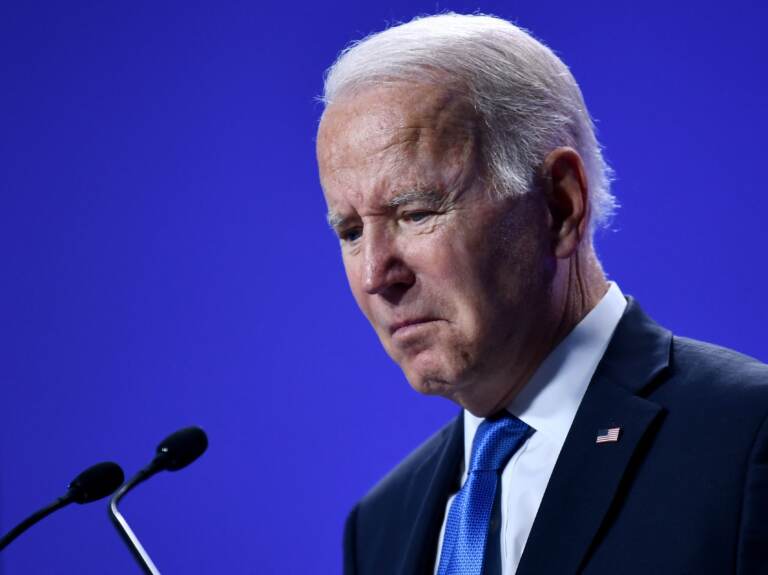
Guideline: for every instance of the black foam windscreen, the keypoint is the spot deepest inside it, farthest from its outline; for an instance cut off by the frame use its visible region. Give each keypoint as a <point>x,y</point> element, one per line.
<point>96,482</point>
<point>181,448</point>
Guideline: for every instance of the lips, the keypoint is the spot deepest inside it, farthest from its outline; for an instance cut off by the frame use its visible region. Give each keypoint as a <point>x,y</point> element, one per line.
<point>400,325</point>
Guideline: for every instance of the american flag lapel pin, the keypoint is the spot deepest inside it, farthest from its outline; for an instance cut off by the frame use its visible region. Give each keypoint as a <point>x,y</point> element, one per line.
<point>610,435</point>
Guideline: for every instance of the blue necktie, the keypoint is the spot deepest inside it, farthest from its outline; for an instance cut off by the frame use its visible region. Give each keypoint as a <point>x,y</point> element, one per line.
<point>466,530</point>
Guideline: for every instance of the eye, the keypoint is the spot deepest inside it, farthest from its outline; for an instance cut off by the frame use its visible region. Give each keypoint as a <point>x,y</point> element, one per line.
<point>349,235</point>
<point>417,216</point>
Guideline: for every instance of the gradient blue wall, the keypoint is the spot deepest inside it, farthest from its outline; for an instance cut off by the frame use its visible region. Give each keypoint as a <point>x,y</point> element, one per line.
<point>165,259</point>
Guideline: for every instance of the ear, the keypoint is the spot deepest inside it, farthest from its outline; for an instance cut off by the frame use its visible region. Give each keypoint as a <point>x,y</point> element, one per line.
<point>564,186</point>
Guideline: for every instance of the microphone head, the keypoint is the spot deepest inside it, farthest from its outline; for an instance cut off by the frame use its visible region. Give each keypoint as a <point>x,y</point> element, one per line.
<point>181,448</point>
<point>96,482</point>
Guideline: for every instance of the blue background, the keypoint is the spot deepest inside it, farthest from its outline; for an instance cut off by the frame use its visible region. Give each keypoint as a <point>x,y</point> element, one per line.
<point>165,257</point>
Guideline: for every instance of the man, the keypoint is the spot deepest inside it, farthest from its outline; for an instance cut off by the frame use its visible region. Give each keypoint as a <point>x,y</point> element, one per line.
<point>464,180</point>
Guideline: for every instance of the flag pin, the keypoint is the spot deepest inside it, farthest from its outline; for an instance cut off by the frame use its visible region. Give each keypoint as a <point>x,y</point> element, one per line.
<point>610,435</point>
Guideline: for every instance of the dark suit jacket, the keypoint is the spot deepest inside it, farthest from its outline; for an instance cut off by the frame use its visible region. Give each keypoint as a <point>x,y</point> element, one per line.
<point>684,490</point>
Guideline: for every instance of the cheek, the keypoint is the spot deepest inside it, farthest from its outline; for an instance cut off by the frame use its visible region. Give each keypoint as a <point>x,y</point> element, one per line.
<point>459,280</point>
<point>483,287</point>
<point>453,294</point>
<point>354,281</point>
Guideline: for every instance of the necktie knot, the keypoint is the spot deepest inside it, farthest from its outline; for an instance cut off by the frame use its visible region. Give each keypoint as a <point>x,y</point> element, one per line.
<point>496,441</point>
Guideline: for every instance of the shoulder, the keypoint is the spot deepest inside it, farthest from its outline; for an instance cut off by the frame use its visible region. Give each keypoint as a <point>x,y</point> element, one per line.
<point>421,461</point>
<point>711,366</point>
<point>404,508</point>
<point>652,361</point>
<point>712,392</point>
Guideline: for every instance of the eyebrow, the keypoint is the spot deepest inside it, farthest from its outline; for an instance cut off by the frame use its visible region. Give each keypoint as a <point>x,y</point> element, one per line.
<point>430,198</point>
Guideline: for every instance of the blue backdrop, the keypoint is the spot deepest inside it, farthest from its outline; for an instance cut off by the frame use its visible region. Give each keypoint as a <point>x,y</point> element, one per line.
<point>165,258</point>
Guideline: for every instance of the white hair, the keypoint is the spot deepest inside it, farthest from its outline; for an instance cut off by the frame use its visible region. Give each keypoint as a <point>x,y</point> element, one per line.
<point>525,97</point>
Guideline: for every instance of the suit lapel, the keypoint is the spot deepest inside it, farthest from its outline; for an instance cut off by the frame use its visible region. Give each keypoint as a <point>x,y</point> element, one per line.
<point>436,479</point>
<point>588,475</point>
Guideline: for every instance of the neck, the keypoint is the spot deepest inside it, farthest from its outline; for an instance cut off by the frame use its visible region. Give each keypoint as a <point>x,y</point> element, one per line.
<point>582,285</point>
<point>579,285</point>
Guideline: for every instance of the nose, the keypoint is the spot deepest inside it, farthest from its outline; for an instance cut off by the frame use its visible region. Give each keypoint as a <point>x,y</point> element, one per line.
<point>385,271</point>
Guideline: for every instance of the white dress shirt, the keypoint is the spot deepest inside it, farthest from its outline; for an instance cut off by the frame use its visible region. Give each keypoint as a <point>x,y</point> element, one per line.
<point>548,404</point>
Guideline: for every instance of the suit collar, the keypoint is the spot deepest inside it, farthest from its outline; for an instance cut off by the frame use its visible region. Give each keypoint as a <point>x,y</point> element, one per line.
<point>638,352</point>
<point>588,475</point>
<point>433,483</point>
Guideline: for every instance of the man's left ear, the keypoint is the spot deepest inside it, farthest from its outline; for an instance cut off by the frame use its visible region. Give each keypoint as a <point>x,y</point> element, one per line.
<point>564,186</point>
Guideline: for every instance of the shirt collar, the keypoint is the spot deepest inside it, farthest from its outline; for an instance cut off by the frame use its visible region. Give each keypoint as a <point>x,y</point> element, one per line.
<point>548,403</point>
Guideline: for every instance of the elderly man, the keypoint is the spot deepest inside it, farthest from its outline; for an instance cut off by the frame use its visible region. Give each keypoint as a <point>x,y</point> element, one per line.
<point>463,178</point>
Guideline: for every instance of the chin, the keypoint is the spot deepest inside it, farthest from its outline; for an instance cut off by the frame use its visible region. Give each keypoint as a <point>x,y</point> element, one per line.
<point>432,386</point>
<point>457,386</point>
<point>432,379</point>
<point>434,369</point>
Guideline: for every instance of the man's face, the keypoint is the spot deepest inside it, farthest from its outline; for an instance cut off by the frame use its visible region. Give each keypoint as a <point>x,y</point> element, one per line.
<point>454,282</point>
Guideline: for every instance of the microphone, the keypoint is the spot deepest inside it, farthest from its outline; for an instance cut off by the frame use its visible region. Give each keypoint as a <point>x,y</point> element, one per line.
<point>94,483</point>
<point>175,452</point>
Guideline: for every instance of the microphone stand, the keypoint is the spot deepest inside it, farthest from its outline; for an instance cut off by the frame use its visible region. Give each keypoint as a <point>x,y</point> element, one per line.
<point>134,545</point>
<point>32,519</point>
<point>175,452</point>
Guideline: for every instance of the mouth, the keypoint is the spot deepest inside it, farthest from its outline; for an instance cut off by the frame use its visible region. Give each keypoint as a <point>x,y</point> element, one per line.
<point>405,326</point>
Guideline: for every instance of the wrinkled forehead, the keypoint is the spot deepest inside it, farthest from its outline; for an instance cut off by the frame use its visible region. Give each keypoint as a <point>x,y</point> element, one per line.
<point>361,127</point>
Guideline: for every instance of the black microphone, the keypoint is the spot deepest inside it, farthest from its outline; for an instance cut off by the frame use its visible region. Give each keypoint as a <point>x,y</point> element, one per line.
<point>94,483</point>
<point>175,452</point>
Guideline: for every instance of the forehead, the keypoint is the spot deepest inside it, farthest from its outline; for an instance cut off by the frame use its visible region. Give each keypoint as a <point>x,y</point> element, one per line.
<point>400,134</point>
